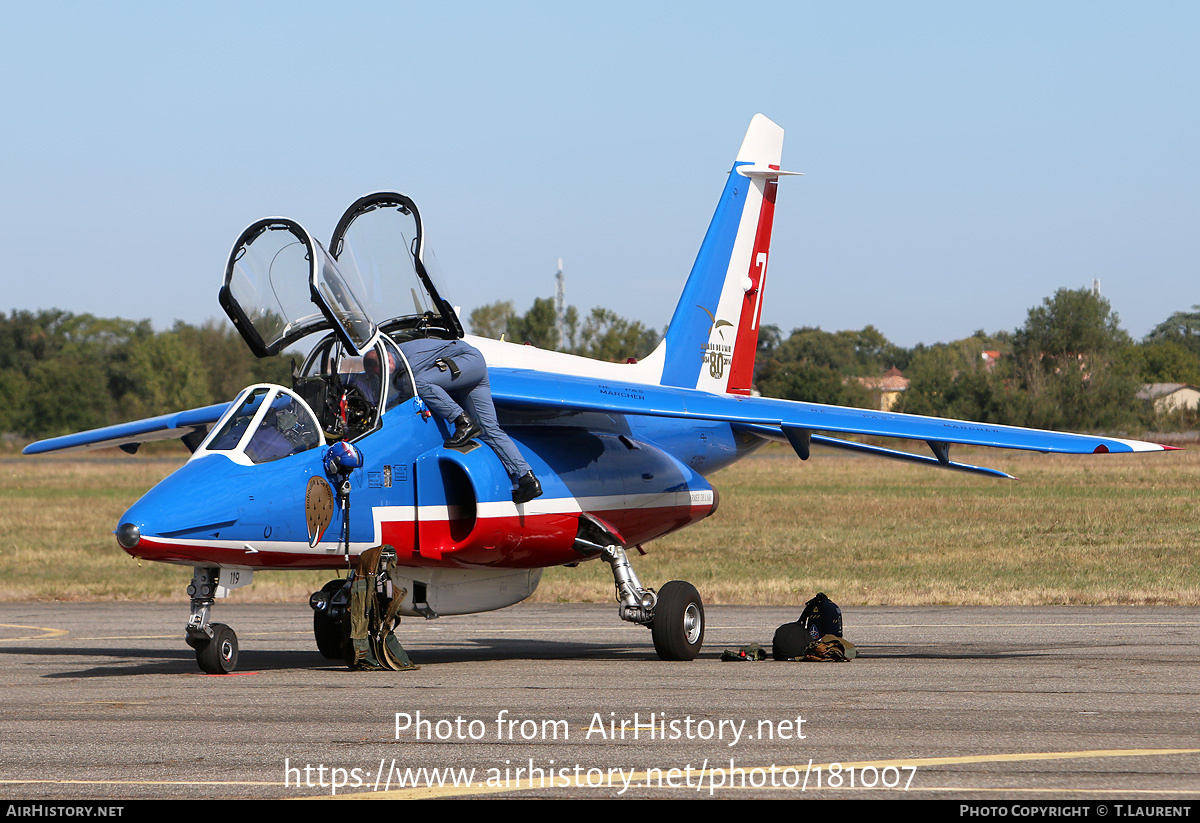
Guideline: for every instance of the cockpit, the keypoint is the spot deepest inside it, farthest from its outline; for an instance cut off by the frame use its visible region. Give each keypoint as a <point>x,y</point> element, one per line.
<point>349,393</point>
<point>282,285</point>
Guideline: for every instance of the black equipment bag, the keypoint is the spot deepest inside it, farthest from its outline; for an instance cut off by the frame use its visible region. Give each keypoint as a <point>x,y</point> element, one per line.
<point>821,616</point>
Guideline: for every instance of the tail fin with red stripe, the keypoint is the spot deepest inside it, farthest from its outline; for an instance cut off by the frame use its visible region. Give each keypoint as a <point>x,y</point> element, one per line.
<point>713,335</point>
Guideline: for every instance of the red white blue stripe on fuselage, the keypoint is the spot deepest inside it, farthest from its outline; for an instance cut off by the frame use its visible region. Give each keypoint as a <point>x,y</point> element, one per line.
<point>496,534</point>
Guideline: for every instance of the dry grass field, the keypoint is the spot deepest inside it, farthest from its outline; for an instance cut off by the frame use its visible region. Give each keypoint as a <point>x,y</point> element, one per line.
<point>1106,529</point>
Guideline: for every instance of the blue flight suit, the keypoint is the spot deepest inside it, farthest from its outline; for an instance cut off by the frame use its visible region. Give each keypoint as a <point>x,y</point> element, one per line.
<point>440,389</point>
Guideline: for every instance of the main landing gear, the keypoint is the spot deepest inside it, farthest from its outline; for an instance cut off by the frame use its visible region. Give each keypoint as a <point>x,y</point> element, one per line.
<point>675,614</point>
<point>330,607</point>
<point>216,644</point>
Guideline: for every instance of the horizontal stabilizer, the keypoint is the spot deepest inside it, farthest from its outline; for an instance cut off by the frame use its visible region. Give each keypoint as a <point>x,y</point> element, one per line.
<point>766,172</point>
<point>164,427</point>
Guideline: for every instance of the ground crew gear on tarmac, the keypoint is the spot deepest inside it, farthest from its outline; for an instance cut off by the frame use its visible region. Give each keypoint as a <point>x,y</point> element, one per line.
<point>375,600</point>
<point>821,618</point>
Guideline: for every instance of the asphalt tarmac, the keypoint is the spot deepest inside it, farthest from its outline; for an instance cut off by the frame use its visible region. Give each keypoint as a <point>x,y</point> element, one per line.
<point>104,701</point>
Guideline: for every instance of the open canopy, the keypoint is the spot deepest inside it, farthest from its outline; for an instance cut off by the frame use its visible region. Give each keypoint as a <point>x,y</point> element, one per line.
<point>281,284</point>
<point>380,243</point>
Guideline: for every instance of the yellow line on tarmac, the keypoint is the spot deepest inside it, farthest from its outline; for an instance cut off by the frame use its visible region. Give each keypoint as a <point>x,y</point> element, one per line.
<point>48,632</point>
<point>1041,625</point>
<point>698,777</point>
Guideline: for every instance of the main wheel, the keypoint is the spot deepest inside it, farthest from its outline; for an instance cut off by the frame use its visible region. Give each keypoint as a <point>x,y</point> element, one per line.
<point>327,630</point>
<point>678,626</point>
<point>219,655</point>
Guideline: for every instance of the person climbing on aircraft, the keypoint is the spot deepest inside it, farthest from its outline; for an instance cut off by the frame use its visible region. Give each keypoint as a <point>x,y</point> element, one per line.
<point>398,388</point>
<point>448,370</point>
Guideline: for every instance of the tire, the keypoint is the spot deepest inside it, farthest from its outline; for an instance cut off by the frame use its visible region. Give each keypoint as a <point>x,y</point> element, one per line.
<point>678,626</point>
<point>326,630</point>
<point>219,655</point>
<point>329,636</point>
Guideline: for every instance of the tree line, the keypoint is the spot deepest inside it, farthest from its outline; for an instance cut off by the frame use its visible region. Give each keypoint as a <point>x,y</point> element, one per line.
<point>602,335</point>
<point>1070,366</point>
<point>62,372</point>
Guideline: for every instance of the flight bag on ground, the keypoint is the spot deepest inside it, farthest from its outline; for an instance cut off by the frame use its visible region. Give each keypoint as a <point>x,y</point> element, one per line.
<point>821,617</point>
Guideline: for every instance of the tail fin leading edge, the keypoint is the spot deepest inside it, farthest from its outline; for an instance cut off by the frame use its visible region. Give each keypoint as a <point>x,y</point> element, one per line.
<point>713,335</point>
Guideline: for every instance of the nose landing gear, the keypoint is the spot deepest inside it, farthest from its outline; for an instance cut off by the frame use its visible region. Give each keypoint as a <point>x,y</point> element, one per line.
<point>216,644</point>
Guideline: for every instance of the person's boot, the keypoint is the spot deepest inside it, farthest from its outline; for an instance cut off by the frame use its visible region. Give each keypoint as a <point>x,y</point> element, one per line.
<point>464,429</point>
<point>527,488</point>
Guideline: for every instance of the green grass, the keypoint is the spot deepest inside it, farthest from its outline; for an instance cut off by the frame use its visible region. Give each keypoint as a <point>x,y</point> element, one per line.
<point>1107,529</point>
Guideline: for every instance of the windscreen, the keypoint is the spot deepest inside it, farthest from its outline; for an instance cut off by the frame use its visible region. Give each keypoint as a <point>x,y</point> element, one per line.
<point>287,428</point>
<point>266,423</point>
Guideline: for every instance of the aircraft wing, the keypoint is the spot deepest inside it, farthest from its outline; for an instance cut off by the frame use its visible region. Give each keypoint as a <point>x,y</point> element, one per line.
<point>795,422</point>
<point>128,436</point>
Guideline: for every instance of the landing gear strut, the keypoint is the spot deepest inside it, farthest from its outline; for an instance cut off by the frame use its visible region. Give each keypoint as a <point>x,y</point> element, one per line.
<point>675,615</point>
<point>216,644</point>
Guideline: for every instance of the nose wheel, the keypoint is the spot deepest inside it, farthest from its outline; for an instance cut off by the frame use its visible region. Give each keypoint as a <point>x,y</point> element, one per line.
<point>219,655</point>
<point>216,644</point>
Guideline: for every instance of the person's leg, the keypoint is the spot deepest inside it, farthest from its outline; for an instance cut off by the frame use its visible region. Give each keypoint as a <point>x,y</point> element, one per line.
<point>433,387</point>
<point>479,406</point>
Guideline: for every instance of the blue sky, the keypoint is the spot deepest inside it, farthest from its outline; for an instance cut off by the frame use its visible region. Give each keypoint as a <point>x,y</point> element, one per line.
<point>963,160</point>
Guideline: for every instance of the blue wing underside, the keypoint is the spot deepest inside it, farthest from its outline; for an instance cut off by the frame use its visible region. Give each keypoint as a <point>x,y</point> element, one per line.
<point>797,423</point>
<point>129,436</point>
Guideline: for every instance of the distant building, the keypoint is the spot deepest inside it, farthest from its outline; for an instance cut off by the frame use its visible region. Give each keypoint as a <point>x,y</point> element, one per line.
<point>886,390</point>
<point>1169,397</point>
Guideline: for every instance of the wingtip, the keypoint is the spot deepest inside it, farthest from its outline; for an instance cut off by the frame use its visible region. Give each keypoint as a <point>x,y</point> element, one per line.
<point>1139,446</point>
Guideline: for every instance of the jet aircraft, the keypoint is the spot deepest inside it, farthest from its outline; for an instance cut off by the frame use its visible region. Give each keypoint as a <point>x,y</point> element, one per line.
<point>622,450</point>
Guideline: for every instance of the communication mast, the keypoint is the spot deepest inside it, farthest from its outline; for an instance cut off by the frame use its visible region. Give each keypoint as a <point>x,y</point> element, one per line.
<point>560,306</point>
